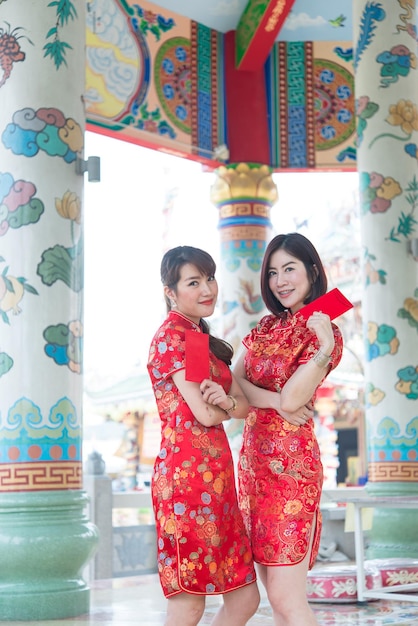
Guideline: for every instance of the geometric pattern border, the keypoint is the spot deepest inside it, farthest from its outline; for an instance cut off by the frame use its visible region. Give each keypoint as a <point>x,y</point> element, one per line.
<point>392,472</point>
<point>40,476</point>
<point>245,233</point>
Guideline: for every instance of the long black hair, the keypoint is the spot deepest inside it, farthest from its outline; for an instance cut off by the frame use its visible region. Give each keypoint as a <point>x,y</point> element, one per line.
<point>302,249</point>
<point>171,264</point>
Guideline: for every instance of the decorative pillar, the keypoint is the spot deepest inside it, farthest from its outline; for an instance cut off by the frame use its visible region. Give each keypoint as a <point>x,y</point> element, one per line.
<point>244,194</point>
<point>45,536</point>
<point>385,61</point>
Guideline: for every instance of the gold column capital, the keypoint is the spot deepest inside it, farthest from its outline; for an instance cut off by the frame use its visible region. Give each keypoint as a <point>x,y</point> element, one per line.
<point>243,180</point>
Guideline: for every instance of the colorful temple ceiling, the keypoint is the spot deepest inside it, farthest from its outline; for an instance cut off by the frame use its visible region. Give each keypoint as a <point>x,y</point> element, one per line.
<point>225,80</point>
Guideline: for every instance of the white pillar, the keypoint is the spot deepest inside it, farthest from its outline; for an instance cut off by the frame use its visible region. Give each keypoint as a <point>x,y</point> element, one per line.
<point>41,311</point>
<point>387,121</point>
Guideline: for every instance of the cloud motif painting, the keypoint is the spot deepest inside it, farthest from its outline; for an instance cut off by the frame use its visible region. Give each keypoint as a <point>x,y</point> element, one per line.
<point>47,130</point>
<point>18,204</point>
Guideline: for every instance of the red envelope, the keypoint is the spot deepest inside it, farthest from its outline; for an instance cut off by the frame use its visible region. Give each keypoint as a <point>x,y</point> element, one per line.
<point>197,356</point>
<point>332,303</point>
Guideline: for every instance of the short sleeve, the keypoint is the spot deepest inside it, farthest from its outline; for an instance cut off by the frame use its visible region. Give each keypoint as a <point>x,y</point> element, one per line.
<point>313,346</point>
<point>310,346</point>
<point>167,353</point>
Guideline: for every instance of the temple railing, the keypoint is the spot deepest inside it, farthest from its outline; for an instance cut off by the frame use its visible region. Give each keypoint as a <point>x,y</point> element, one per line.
<point>123,550</point>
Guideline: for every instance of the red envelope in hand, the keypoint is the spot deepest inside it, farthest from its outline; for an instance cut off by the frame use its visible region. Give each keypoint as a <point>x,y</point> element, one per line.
<point>197,356</point>
<point>332,303</point>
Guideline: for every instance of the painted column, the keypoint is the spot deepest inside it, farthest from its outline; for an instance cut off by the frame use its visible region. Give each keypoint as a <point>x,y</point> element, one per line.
<point>45,536</point>
<point>244,195</point>
<point>386,83</point>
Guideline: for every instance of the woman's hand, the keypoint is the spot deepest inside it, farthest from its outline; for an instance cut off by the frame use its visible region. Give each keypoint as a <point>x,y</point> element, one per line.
<point>234,403</point>
<point>215,394</point>
<point>205,412</point>
<point>299,417</point>
<point>320,324</point>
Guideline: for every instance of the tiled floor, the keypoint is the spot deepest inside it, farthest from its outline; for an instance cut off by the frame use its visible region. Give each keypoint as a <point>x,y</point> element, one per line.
<point>138,601</point>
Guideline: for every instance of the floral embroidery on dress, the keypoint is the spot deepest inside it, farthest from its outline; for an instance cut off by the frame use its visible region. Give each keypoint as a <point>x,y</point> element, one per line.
<point>280,471</point>
<point>203,547</point>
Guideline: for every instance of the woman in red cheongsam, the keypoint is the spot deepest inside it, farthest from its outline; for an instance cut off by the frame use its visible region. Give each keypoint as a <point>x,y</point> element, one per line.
<point>203,548</point>
<point>280,470</point>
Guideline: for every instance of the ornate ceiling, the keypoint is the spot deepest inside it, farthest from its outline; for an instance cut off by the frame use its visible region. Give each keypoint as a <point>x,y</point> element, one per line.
<point>188,77</point>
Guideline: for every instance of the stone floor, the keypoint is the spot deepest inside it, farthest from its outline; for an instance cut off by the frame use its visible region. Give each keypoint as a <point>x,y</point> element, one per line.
<point>138,600</point>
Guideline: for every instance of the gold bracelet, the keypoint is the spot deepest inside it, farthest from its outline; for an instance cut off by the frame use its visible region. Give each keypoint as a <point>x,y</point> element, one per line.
<point>320,359</point>
<point>234,404</point>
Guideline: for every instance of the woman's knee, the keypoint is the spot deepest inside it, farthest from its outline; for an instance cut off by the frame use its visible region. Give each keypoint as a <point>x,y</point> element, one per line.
<point>185,609</point>
<point>253,598</point>
<point>282,606</point>
<point>284,598</point>
<point>243,601</point>
<point>197,608</point>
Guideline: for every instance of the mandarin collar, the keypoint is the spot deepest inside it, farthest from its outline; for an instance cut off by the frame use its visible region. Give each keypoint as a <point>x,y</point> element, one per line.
<point>172,315</point>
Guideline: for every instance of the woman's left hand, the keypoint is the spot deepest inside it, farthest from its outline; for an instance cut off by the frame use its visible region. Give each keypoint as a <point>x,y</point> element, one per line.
<point>213,393</point>
<point>299,417</point>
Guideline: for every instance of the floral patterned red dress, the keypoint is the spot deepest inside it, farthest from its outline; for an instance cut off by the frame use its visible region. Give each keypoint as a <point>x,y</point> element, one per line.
<point>280,472</point>
<point>203,547</point>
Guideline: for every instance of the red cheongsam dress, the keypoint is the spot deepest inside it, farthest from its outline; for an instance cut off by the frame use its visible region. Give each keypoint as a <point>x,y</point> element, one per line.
<point>203,547</point>
<point>280,471</point>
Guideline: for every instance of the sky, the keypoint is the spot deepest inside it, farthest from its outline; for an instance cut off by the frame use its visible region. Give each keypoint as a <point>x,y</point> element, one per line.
<point>127,231</point>
<point>307,20</point>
